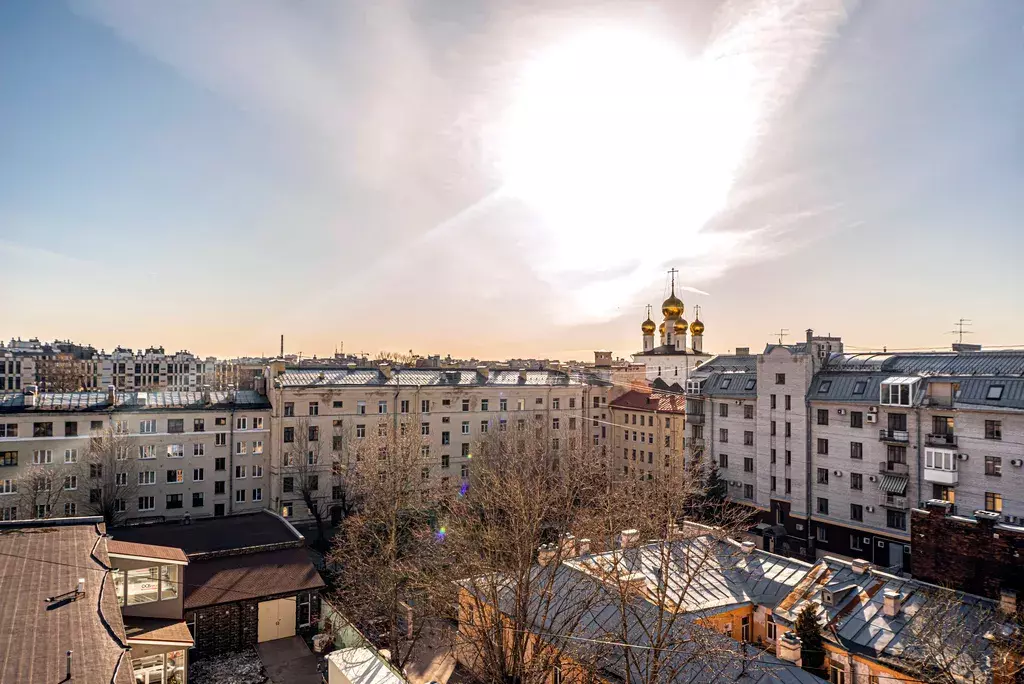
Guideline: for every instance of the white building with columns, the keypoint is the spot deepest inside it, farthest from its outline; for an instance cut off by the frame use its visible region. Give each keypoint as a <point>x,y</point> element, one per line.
<point>671,359</point>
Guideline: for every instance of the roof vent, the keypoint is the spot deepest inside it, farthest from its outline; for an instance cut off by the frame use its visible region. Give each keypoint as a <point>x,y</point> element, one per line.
<point>860,566</point>
<point>891,603</point>
<point>748,547</point>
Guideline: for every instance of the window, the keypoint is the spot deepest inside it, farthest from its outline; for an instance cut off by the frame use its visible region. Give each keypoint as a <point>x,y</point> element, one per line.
<point>484,405</point>
<point>289,409</point>
<point>8,429</point>
<point>219,487</point>
<point>71,483</point>
<point>824,387</point>
<point>725,383</point>
<point>425,473</point>
<point>175,500</point>
<point>723,435</point>
<point>748,491</point>
<point>942,459</point>
<point>361,408</point>
<point>780,379</point>
<point>197,499</point>
<point>198,449</point>
<point>338,404</point>
<point>789,402</point>
<point>175,451</point>
<point>789,429</point>
<point>944,493</point>
<point>241,423</point>
<point>424,406</point>
<point>221,421</point>
<point>856,512</point>
<point>314,408</point>
<point>748,465</point>
<point>121,479</point>
<point>465,449</point>
<point>822,416</point>
<point>465,427</point>
<point>175,425</point>
<point>503,404</point>
<point>789,485</point>
<point>257,471</point>
<point>855,540</point>
<point>751,383</point>
<point>823,446</point>
<point>857,450</point>
<point>288,435</point>
<point>239,496</point>
<point>147,451</point>
<point>821,534</point>
<point>860,386</point>
<point>465,405</point>
<point>147,503</point>
<point>554,423</point>
<point>789,457</point>
<point>257,447</point>
<point>993,429</point>
<point>723,411</point>
<point>220,463</point>
<point>993,502</point>
<point>220,439</point>
<point>147,426</point>
<point>42,457</point>
<point>823,505</point>
<point>748,438</point>
<point>897,392</point>
<point>70,428</point>
<point>823,476</point>
<point>360,431</point>
<point>995,393</point>
<point>197,474</point>
<point>257,494</point>
<point>465,471</point>
<point>382,406</point>
<point>288,484</point>
<point>520,404</point>
<point>71,455</point>
<point>175,476</point>
<point>774,483</point>
<point>837,673</point>
<point>240,472</point>
<point>314,433</point>
<point>748,411</point>
<point>994,466</point>
<point>856,419</point>
<point>8,458</point>
<point>723,460</point>
<point>539,401</point>
<point>896,520</point>
<point>773,456</point>
<point>772,428</point>
<point>42,429</point>
<point>857,481</point>
<point>403,406</point>
<point>483,425</point>
<point>771,628</point>
<point>147,477</point>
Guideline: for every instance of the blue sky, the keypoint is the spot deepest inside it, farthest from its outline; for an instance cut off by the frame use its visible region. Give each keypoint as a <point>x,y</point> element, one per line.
<point>208,175</point>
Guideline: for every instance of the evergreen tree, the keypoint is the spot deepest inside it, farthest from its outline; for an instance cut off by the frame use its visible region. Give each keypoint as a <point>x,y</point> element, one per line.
<point>716,487</point>
<point>812,651</point>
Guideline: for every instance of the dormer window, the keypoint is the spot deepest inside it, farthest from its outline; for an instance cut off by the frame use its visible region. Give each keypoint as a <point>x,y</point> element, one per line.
<point>898,391</point>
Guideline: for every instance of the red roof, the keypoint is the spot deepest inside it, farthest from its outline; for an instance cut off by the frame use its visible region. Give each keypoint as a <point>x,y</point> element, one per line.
<point>648,401</point>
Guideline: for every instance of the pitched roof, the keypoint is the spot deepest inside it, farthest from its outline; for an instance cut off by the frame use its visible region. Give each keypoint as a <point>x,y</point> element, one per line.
<point>647,401</point>
<point>14,402</point>
<point>669,350</point>
<point>166,553</point>
<point>247,576</point>
<point>456,377</point>
<point>40,564</point>
<point>141,629</point>
<point>208,535</point>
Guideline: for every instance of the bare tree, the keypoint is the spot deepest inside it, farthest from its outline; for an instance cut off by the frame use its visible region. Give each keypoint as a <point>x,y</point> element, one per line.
<point>43,489</point>
<point>109,474</point>
<point>62,373</point>
<point>311,473</point>
<point>393,580</point>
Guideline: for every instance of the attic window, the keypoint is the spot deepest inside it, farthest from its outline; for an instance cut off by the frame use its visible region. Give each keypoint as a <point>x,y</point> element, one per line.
<point>751,383</point>
<point>995,392</point>
<point>860,386</point>
<point>728,381</point>
<point>824,387</point>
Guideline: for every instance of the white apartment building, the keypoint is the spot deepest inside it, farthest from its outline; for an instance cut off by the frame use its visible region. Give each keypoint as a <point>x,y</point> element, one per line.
<point>452,409</point>
<point>154,369</point>
<point>194,453</point>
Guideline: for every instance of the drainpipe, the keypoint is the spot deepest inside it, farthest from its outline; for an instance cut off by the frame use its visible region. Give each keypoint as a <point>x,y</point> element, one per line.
<point>807,466</point>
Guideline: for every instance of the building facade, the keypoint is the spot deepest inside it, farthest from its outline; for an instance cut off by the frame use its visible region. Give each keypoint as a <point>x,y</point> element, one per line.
<point>670,360</point>
<point>647,434</point>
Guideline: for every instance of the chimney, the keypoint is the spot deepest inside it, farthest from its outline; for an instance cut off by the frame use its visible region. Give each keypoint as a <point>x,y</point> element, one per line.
<point>80,590</point>
<point>742,351</point>
<point>747,547</point>
<point>30,394</point>
<point>633,581</point>
<point>937,507</point>
<point>891,603</point>
<point>860,566</point>
<point>67,677</point>
<point>986,519</point>
<point>484,371</point>
<point>282,345</point>
<point>206,394</point>
<point>546,553</point>
<point>568,545</point>
<point>629,538</point>
<point>385,370</point>
<point>583,547</point>
<point>1008,602</point>
<point>111,394</point>
<point>675,531</point>
<point>789,648</point>
<point>522,376</point>
<point>810,335</point>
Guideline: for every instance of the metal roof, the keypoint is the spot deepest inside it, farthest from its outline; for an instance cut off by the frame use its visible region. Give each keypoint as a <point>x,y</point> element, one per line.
<point>734,384</point>
<point>14,402</point>
<point>425,377</point>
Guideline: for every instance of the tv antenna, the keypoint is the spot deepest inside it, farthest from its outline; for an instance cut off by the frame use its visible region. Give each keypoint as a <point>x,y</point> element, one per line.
<point>783,332</point>
<point>958,329</point>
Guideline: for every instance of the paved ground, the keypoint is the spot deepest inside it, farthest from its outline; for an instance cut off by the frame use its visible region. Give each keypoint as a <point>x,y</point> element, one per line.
<point>432,659</point>
<point>289,661</point>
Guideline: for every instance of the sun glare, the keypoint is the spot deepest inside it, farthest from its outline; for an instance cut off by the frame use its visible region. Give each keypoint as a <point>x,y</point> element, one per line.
<point>613,134</point>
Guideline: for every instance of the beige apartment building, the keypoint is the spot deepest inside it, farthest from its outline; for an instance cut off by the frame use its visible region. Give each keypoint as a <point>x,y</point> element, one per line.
<point>647,434</point>
<point>179,453</point>
<point>451,409</point>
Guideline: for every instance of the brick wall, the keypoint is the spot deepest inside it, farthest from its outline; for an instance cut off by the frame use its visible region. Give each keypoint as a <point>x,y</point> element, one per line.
<point>233,627</point>
<point>973,555</point>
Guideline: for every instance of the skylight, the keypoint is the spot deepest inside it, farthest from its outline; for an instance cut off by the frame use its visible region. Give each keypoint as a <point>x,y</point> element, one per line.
<point>726,382</point>
<point>824,387</point>
<point>995,392</point>
<point>860,386</point>
<point>751,383</point>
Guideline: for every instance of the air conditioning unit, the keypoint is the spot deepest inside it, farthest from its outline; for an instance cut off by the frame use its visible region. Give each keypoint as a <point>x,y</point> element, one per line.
<point>1016,463</point>
<point>841,412</point>
<point>1011,519</point>
<point>869,509</point>
<point>872,478</point>
<point>872,409</point>
<point>837,473</point>
<point>872,418</point>
<point>962,457</point>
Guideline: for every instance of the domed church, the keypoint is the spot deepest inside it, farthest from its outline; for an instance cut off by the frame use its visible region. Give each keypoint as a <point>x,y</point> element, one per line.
<point>670,359</point>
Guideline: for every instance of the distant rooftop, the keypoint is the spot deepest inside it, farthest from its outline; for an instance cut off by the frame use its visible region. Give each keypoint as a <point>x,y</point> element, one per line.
<point>330,377</point>
<point>206,535</point>
<point>16,402</point>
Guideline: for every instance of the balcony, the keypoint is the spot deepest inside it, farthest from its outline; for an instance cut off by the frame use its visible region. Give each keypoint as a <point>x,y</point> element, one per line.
<point>695,418</point>
<point>941,440</point>
<point>894,468</point>
<point>940,476</point>
<point>893,501</point>
<point>897,436</point>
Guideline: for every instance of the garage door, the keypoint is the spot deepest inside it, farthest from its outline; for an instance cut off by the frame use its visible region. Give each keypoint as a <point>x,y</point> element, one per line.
<point>277,619</point>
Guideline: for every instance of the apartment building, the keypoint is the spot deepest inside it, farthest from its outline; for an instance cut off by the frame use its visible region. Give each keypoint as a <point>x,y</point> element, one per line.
<point>451,408</point>
<point>154,369</point>
<point>648,431</point>
<point>179,453</point>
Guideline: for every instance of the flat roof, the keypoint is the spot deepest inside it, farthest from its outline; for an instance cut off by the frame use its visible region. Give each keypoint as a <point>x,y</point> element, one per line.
<point>248,576</point>
<point>206,535</point>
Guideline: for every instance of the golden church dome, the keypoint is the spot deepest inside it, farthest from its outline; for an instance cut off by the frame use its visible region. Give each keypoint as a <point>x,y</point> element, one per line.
<point>672,307</point>
<point>680,328</point>
<point>648,327</point>
<point>661,329</point>
<point>696,328</point>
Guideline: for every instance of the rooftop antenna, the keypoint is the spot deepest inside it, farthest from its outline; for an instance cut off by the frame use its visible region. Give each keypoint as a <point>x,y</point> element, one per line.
<point>282,345</point>
<point>958,329</point>
<point>783,332</point>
